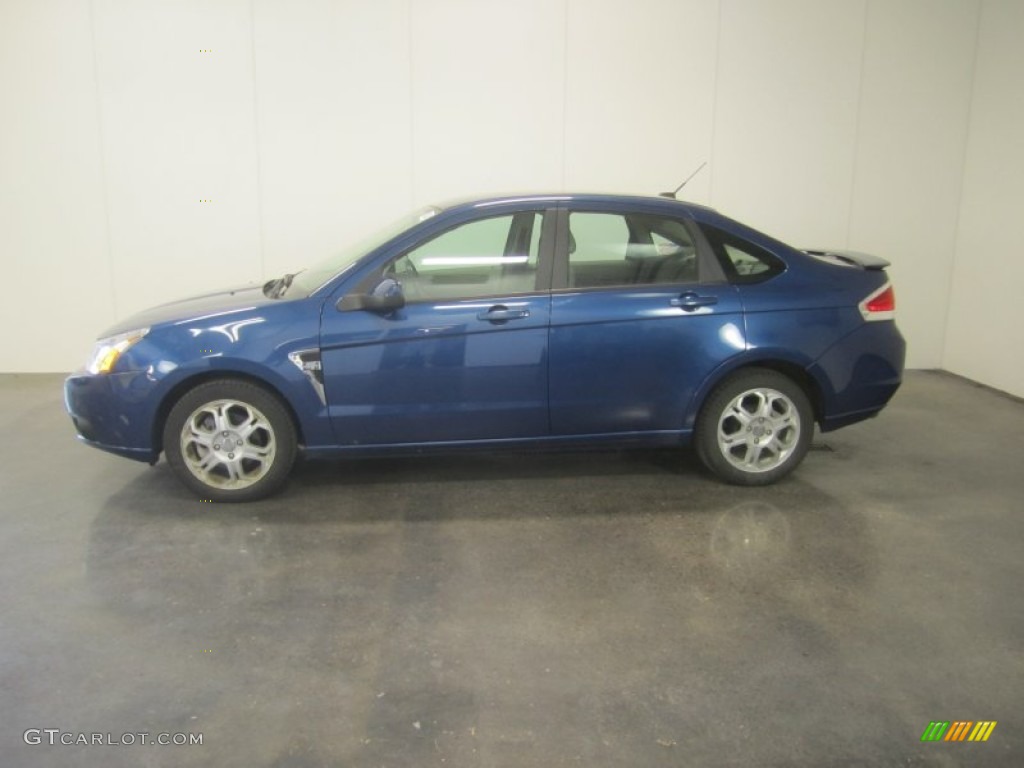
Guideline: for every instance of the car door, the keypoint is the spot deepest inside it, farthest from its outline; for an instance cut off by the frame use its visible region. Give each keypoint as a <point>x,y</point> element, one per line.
<point>640,315</point>
<point>466,357</point>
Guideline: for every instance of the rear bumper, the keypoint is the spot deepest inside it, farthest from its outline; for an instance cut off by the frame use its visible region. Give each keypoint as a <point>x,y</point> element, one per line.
<point>113,412</point>
<point>860,374</point>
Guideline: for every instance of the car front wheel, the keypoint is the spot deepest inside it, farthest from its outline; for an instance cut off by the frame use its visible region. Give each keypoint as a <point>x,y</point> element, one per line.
<point>230,440</point>
<point>754,428</point>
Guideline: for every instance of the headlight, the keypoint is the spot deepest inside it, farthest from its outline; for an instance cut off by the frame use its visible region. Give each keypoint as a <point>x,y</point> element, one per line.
<point>107,351</point>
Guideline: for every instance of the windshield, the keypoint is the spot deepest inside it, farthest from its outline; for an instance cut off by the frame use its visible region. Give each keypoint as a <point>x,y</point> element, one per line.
<point>308,280</point>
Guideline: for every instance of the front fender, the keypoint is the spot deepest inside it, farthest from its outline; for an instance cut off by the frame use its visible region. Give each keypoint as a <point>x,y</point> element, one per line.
<point>253,343</point>
<point>282,377</point>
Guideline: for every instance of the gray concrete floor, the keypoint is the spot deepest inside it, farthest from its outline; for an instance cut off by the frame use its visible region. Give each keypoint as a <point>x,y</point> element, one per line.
<point>524,610</point>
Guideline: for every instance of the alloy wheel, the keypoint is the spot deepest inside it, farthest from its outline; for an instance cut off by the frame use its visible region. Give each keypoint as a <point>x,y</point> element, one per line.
<point>758,430</point>
<point>228,444</point>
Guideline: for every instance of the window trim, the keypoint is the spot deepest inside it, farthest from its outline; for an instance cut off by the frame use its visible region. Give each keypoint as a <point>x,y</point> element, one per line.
<point>709,272</point>
<point>545,256</point>
<point>718,238</point>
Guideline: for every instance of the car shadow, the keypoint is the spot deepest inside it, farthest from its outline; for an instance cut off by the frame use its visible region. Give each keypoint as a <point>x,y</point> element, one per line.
<point>739,536</point>
<point>375,489</point>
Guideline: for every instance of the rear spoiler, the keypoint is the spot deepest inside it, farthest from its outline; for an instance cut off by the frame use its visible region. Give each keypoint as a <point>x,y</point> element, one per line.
<point>849,258</point>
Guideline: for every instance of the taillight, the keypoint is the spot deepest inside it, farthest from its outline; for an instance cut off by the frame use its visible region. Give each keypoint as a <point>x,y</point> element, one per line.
<point>880,305</point>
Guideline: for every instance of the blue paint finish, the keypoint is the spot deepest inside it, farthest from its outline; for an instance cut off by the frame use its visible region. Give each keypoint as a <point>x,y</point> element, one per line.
<point>625,360</point>
<point>112,412</point>
<point>566,367</point>
<point>437,372</point>
<point>230,336</point>
<point>860,373</point>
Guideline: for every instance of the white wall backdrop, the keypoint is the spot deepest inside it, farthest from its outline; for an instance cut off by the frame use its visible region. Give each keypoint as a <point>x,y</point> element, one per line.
<point>984,336</point>
<point>151,149</point>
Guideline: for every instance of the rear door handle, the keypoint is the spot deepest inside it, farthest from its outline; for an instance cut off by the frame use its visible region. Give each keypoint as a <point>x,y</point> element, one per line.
<point>499,313</point>
<point>690,301</point>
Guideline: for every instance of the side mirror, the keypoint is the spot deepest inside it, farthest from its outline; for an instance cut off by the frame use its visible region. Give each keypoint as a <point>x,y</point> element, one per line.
<point>386,297</point>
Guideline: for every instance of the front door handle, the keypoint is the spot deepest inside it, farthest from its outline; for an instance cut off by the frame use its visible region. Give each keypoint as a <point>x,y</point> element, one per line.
<point>690,301</point>
<point>499,313</point>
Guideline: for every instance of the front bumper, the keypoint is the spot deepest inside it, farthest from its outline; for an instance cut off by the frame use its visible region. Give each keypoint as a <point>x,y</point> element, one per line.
<point>113,412</point>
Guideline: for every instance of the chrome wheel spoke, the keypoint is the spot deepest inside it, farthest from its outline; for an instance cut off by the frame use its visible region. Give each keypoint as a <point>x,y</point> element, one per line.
<point>249,425</point>
<point>257,452</point>
<point>208,462</point>
<point>200,437</point>
<point>752,455</point>
<point>768,411</point>
<point>742,416</point>
<point>764,406</point>
<point>781,422</point>
<point>220,418</point>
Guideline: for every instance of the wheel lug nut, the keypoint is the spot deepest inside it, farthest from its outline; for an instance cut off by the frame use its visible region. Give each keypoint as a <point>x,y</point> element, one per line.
<point>231,455</point>
<point>216,446</point>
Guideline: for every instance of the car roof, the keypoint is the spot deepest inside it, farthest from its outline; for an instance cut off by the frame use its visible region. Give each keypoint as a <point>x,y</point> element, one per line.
<point>571,197</point>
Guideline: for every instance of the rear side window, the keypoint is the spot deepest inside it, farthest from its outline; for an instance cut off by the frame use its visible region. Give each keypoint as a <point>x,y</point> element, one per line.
<point>611,249</point>
<point>743,262</point>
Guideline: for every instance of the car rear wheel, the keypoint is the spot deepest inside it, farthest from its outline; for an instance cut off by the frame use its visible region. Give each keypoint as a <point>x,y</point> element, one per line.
<point>230,440</point>
<point>754,428</point>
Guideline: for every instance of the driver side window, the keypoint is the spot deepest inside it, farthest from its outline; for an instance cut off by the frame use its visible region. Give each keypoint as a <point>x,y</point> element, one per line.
<point>487,257</point>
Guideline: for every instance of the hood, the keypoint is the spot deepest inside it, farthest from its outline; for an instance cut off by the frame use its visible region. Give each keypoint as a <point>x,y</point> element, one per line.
<point>193,308</point>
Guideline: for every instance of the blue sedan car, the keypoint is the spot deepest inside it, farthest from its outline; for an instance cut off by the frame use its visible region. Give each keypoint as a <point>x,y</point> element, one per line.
<point>540,321</point>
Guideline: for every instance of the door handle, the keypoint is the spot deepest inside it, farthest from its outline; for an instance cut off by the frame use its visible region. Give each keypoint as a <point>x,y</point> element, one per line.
<point>502,314</point>
<point>690,301</point>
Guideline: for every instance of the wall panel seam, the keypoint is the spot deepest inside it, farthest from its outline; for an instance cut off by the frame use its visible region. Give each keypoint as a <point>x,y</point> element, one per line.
<point>100,140</point>
<point>261,228</point>
<point>857,124</point>
<point>714,107</point>
<point>565,93</point>
<point>410,18</point>
<point>963,183</point>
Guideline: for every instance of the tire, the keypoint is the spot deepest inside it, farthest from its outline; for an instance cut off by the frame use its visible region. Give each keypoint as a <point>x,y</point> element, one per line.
<point>754,428</point>
<point>202,426</point>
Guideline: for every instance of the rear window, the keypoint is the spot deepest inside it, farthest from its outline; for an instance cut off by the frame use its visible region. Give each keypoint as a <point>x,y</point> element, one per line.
<point>742,261</point>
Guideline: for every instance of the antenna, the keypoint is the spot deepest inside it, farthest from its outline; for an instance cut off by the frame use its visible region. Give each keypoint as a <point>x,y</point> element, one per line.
<point>672,195</point>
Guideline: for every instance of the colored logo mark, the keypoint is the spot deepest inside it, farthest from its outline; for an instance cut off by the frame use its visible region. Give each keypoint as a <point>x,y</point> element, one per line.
<point>958,730</point>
